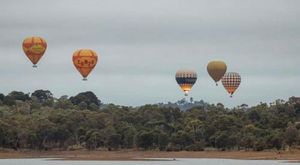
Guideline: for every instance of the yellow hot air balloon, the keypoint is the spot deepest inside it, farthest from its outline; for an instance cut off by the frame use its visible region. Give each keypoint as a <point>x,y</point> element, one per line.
<point>186,79</point>
<point>216,70</point>
<point>34,48</point>
<point>231,82</point>
<point>85,60</point>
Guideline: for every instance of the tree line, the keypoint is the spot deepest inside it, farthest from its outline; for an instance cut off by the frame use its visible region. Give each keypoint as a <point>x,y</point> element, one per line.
<point>39,121</point>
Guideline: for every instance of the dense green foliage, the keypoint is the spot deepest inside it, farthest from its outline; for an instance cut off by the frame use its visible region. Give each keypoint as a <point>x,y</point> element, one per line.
<point>40,121</point>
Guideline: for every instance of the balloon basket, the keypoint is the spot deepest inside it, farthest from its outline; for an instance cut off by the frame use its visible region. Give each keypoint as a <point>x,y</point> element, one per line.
<point>84,79</point>
<point>34,66</point>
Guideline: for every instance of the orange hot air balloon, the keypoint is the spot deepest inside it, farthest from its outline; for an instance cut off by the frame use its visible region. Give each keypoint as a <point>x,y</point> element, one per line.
<point>85,60</point>
<point>34,48</point>
<point>231,82</point>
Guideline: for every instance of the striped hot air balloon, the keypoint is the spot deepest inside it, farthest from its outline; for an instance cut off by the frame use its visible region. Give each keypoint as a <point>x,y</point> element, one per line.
<point>34,48</point>
<point>216,70</point>
<point>85,60</point>
<point>231,82</point>
<point>186,79</point>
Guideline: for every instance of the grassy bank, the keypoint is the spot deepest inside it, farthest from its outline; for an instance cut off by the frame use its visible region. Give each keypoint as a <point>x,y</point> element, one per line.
<point>135,155</point>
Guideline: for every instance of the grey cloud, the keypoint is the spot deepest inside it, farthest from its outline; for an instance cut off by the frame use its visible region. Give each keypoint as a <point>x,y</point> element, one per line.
<point>141,44</point>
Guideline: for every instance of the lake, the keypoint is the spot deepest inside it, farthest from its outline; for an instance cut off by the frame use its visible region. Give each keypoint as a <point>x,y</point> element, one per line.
<point>177,162</point>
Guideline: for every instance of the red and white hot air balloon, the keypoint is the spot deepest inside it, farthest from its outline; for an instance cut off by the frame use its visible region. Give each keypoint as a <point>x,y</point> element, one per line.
<point>231,82</point>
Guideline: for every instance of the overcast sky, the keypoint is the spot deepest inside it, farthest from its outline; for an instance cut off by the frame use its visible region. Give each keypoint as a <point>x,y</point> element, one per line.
<point>142,43</point>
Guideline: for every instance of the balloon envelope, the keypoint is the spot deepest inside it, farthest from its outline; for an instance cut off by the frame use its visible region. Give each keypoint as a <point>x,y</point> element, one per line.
<point>231,82</point>
<point>216,70</point>
<point>34,48</point>
<point>85,60</point>
<point>186,79</point>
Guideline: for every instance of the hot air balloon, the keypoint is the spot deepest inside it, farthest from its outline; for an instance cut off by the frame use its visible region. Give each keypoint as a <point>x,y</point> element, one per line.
<point>85,60</point>
<point>186,79</point>
<point>231,82</point>
<point>216,70</point>
<point>34,48</point>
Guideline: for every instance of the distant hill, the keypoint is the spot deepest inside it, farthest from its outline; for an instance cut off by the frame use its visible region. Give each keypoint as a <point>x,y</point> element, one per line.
<point>185,104</point>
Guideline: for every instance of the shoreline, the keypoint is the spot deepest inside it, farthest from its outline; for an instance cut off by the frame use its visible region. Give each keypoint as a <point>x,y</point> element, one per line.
<point>151,155</point>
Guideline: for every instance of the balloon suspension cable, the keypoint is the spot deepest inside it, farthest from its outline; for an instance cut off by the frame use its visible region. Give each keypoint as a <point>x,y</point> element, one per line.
<point>34,66</point>
<point>84,79</point>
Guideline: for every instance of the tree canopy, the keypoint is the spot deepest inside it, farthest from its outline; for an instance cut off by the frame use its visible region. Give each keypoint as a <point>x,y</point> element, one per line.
<point>40,121</point>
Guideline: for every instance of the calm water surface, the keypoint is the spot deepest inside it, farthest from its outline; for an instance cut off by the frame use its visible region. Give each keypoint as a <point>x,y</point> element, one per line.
<point>177,162</point>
